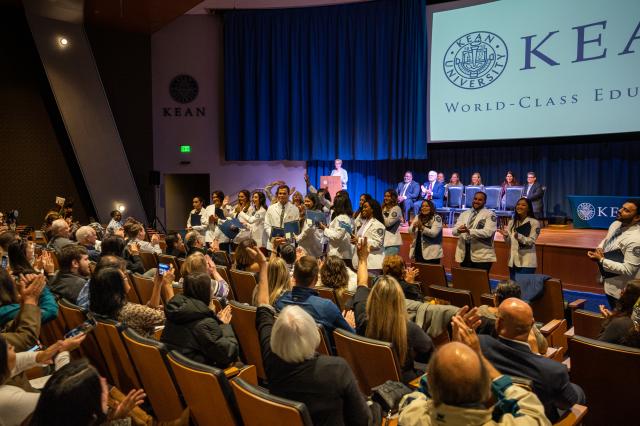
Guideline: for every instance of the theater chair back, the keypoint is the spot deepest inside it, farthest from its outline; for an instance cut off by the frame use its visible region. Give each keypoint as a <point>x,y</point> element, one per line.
<point>148,359</point>
<point>430,274</point>
<point>609,375</point>
<point>587,323</point>
<point>143,287</point>
<point>550,305</point>
<point>327,293</point>
<point>119,363</point>
<point>454,296</point>
<point>243,285</point>
<point>373,362</point>
<point>206,391</point>
<point>474,280</point>
<point>454,199</point>
<point>493,197</point>
<point>259,408</point>
<point>243,321</point>
<point>224,273</point>
<point>149,260</point>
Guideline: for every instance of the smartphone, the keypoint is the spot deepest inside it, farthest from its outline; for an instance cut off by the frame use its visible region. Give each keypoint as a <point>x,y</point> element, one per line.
<point>83,328</point>
<point>5,262</point>
<point>36,348</point>
<point>163,268</point>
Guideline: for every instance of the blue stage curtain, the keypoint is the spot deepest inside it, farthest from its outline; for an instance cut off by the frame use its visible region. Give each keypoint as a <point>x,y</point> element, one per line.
<point>328,82</point>
<point>594,168</point>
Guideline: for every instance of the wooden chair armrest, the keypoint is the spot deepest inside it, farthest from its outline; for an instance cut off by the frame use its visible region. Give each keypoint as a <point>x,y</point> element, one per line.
<point>567,363</point>
<point>574,416</point>
<point>570,332</point>
<point>248,374</point>
<point>549,327</point>
<point>577,304</point>
<point>551,352</point>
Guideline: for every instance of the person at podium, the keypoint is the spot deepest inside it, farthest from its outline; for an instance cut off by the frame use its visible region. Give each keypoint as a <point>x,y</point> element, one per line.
<point>520,236</point>
<point>339,171</point>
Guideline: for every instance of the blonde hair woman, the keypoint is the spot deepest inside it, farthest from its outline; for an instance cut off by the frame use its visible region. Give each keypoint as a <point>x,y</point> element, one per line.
<point>381,313</point>
<point>278,278</point>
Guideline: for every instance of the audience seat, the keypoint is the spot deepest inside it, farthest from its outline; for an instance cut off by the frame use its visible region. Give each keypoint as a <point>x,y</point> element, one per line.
<point>243,321</point>
<point>609,375</point>
<point>586,323</point>
<point>207,391</point>
<point>243,284</point>
<point>327,293</point>
<point>430,274</point>
<point>373,362</point>
<point>555,333</point>
<point>224,273</point>
<point>149,260</point>
<point>323,346</point>
<point>259,408</point>
<point>551,304</point>
<point>148,359</point>
<point>474,280</point>
<point>143,287</point>
<point>454,296</point>
<point>53,330</point>
<point>123,373</point>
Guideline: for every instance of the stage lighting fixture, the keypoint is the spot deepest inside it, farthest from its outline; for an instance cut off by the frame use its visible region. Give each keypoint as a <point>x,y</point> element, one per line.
<point>121,208</point>
<point>63,42</point>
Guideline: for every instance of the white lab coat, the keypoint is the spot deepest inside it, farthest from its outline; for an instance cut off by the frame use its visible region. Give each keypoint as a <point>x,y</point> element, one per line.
<point>431,236</point>
<point>374,231</point>
<point>254,221</point>
<point>629,243</point>
<point>272,218</point>
<point>480,236</point>
<point>522,248</point>
<point>338,239</point>
<point>392,238</point>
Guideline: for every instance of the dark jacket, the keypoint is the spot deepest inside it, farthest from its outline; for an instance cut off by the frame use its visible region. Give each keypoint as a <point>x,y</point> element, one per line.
<point>536,194</point>
<point>419,344</point>
<point>192,329</point>
<point>616,330</point>
<point>413,191</point>
<point>550,378</point>
<point>67,285</point>
<point>134,262</point>
<point>325,384</point>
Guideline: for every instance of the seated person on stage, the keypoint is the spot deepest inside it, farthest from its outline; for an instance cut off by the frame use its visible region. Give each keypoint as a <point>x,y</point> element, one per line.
<point>511,354</point>
<point>623,240</point>
<point>73,274</point>
<point>475,229</point>
<point>325,384</point>
<point>461,381</point>
<point>426,245</point>
<point>533,191</point>
<point>440,177</point>
<point>476,180</point>
<point>618,322</point>
<point>489,315</point>
<point>323,311</point>
<point>454,181</point>
<point>408,192</point>
<point>431,190</point>
<point>509,180</point>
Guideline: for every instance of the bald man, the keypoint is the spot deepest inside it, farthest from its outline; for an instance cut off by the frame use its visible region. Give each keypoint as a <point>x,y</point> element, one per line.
<point>460,381</point>
<point>511,354</point>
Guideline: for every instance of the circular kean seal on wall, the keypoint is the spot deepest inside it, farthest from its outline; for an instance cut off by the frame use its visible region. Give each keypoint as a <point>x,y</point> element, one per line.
<point>475,60</point>
<point>586,211</point>
<point>183,88</point>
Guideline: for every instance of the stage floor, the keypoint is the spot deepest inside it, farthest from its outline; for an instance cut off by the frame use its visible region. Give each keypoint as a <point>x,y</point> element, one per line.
<point>561,253</point>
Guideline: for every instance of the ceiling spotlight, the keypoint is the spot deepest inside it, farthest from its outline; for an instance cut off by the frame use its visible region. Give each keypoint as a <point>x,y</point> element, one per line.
<point>121,208</point>
<point>63,41</point>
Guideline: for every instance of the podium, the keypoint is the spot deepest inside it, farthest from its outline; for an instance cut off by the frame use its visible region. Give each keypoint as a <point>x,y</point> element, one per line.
<point>332,183</point>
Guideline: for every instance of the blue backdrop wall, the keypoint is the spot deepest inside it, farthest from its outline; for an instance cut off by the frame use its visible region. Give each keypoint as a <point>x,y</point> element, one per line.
<point>592,167</point>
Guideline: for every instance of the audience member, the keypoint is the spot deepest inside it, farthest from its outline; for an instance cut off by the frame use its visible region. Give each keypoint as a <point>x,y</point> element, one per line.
<point>618,324</point>
<point>77,395</point>
<point>194,243</point>
<point>243,260</point>
<point>381,313</point>
<point>136,234</point>
<point>73,274</point>
<point>108,297</point>
<point>21,257</point>
<point>426,245</point>
<point>475,229</point>
<point>11,299</point>
<point>408,192</point>
<point>193,328</point>
<point>394,266</point>
<point>116,246</point>
<point>60,232</point>
<point>198,262</point>
<point>115,224</point>
<point>325,384</point>
<point>23,332</point>
<point>87,237</point>
<point>175,245</point>
<point>534,192</point>
<point>511,354</point>
<point>335,274</point>
<point>279,280</point>
<point>106,261</point>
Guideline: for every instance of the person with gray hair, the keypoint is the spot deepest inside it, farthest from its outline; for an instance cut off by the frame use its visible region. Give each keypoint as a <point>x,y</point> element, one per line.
<point>325,384</point>
<point>460,382</point>
<point>59,235</point>
<point>87,236</point>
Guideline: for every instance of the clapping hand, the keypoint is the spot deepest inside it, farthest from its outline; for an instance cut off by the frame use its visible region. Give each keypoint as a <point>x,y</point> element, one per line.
<point>410,274</point>
<point>465,334</point>
<point>256,255</point>
<point>597,254</point>
<point>30,287</point>
<point>362,248</point>
<point>504,232</point>
<point>225,315</point>
<point>462,229</point>
<point>350,318</point>
<point>134,398</point>
<point>604,311</point>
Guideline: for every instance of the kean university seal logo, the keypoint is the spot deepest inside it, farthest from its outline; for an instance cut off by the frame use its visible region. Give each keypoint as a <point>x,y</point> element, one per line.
<point>475,60</point>
<point>586,211</point>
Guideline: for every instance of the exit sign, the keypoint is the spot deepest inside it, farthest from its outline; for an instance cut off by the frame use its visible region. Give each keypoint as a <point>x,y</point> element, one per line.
<point>185,148</point>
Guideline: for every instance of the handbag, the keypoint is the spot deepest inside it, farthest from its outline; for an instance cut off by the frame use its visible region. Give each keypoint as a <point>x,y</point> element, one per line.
<point>389,394</point>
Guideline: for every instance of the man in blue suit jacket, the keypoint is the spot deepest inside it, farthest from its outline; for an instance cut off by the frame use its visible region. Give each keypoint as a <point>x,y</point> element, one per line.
<point>408,192</point>
<point>510,354</point>
<point>431,190</point>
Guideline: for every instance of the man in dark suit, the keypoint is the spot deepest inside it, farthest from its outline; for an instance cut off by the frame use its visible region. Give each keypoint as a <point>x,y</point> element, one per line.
<point>510,354</point>
<point>534,192</point>
<point>431,190</point>
<point>408,191</point>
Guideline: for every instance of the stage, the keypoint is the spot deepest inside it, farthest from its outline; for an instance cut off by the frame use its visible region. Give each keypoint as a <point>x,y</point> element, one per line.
<point>562,254</point>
